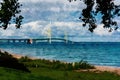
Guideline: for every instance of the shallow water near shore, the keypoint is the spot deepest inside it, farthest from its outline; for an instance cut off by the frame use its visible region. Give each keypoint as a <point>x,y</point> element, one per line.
<point>97,53</point>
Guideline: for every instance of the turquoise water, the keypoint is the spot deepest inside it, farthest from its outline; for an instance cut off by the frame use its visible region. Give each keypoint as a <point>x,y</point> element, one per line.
<point>98,53</point>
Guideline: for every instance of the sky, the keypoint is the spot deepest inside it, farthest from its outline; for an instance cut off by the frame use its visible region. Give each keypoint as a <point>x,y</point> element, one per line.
<point>61,17</point>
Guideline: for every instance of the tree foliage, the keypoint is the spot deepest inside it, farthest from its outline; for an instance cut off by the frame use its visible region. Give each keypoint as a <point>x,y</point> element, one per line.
<point>9,10</point>
<point>106,8</point>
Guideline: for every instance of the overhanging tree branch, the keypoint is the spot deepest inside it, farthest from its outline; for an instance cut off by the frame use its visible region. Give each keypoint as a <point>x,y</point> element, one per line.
<point>106,8</point>
<point>10,11</point>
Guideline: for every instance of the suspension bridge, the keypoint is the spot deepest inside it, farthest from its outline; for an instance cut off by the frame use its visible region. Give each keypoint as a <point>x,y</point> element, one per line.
<point>49,39</point>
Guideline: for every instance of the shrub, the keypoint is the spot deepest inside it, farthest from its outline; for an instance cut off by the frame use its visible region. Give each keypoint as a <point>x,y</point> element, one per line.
<point>83,65</point>
<point>24,59</point>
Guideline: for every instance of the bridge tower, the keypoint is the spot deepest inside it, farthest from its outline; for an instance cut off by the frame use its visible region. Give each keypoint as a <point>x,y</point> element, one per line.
<point>65,37</point>
<point>49,34</point>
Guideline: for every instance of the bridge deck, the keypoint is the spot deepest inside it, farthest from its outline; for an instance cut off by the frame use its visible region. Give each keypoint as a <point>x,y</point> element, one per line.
<point>34,40</point>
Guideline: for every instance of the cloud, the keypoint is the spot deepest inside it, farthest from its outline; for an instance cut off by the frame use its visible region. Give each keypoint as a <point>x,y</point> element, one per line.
<point>59,15</point>
<point>38,28</point>
<point>102,31</point>
<point>74,30</point>
<point>117,2</point>
<point>57,10</point>
<point>63,5</point>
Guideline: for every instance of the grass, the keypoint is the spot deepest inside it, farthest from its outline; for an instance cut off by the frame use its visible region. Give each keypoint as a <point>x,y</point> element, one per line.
<point>12,74</point>
<point>55,64</point>
<point>72,75</point>
<point>41,69</point>
<point>51,74</point>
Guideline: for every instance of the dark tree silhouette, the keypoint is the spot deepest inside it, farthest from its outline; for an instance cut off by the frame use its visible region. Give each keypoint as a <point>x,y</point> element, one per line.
<point>7,60</point>
<point>106,8</point>
<point>9,10</point>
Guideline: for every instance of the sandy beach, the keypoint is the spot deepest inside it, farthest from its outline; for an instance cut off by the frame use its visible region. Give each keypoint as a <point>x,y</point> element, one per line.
<point>99,69</point>
<point>18,56</point>
<point>109,69</point>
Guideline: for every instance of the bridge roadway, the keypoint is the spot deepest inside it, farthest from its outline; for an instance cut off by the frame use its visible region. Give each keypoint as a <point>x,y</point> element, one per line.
<point>36,40</point>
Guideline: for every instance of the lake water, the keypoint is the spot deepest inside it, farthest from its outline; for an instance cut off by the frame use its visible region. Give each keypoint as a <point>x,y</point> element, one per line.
<point>98,53</point>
